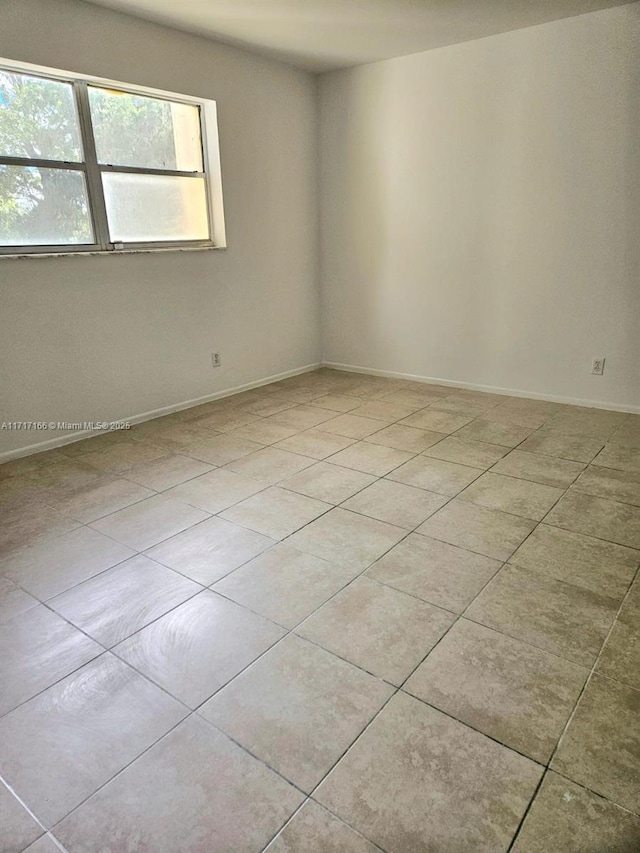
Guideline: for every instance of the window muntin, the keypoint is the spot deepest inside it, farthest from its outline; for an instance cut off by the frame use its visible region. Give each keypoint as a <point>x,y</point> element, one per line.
<point>140,183</point>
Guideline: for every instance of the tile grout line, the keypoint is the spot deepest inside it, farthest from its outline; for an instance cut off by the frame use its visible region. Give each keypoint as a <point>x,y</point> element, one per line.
<point>438,642</point>
<point>571,717</point>
<point>398,689</point>
<point>364,570</point>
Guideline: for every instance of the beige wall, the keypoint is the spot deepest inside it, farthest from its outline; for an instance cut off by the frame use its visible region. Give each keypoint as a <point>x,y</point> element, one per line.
<point>481,211</point>
<point>102,338</point>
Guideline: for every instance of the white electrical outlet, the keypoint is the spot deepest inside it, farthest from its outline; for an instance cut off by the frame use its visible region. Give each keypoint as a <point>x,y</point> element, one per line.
<point>215,359</point>
<point>597,366</point>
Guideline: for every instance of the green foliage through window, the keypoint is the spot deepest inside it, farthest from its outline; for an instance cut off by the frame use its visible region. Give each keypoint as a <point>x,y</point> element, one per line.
<point>48,187</point>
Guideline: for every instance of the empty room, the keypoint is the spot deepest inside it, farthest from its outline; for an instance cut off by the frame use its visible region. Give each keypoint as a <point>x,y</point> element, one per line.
<point>319,426</point>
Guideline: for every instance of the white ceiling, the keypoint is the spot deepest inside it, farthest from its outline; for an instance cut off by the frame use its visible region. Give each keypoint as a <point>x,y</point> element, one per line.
<point>324,34</point>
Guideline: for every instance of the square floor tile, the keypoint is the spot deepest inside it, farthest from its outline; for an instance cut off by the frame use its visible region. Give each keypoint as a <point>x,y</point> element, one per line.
<point>305,396</point>
<point>96,442</point>
<point>151,521</point>
<point>508,435</point>
<point>210,550</point>
<point>477,454</point>
<point>19,828</point>
<point>162,474</point>
<point>353,426</point>
<point>405,438</point>
<point>38,648</point>
<point>302,417</point>
<point>270,465</point>
<point>328,482</point>
<point>519,497</point>
<point>476,528</point>
<point>591,423</point>
<point>14,600</point>
<point>471,394</point>
<point>264,431</point>
<point>351,539</point>
<point>314,443</point>
<point>548,470</point>
<point>601,747</point>
<point>383,410</point>
<point>65,743</point>
<point>284,584</point>
<point>119,457</point>
<point>416,398</point>
<point>395,503</point>
<point>521,412</point>
<point>47,481</point>
<point>462,404</point>
<point>620,658</point>
<point>194,790</point>
<point>628,434</point>
<point>32,522</point>
<point>216,490</point>
<point>114,604</point>
<point>375,459</point>
<point>276,512</point>
<point>434,571</point>
<point>565,816</point>
<point>602,567</point>
<point>622,486</point>
<point>197,647</point>
<point>221,449</point>
<point>298,709</point>
<point>598,517</point>
<point>170,435</point>
<point>435,421</point>
<point>618,457</point>
<point>560,618</point>
<point>25,466</point>
<point>232,417</point>
<point>315,830</point>
<point>379,629</point>
<point>445,478</point>
<point>88,503</point>
<point>418,780</point>
<point>575,447</point>
<point>51,567</point>
<point>337,402</point>
<point>507,689</point>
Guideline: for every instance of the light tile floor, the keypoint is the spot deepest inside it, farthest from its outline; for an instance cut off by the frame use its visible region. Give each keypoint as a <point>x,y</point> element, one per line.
<point>336,614</point>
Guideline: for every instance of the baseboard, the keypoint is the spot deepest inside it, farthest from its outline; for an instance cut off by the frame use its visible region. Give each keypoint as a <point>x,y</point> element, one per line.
<point>493,389</point>
<point>70,438</point>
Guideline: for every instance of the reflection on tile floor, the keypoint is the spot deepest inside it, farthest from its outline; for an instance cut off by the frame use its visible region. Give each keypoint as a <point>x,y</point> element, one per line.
<point>338,613</point>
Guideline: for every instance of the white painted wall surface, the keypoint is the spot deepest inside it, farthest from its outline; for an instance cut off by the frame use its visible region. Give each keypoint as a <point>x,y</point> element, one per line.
<point>103,338</point>
<point>481,211</point>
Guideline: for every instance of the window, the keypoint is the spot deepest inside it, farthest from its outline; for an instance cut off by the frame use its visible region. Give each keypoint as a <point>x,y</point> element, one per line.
<point>87,166</point>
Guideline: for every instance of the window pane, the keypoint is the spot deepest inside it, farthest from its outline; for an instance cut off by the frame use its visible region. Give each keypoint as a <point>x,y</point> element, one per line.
<point>155,207</point>
<point>46,207</point>
<point>132,130</point>
<point>38,119</point>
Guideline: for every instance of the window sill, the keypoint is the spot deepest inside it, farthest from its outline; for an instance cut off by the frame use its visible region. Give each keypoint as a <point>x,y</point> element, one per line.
<point>103,253</point>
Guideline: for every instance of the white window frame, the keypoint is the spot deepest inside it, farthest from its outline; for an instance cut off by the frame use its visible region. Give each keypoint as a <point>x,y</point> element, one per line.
<point>93,170</point>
